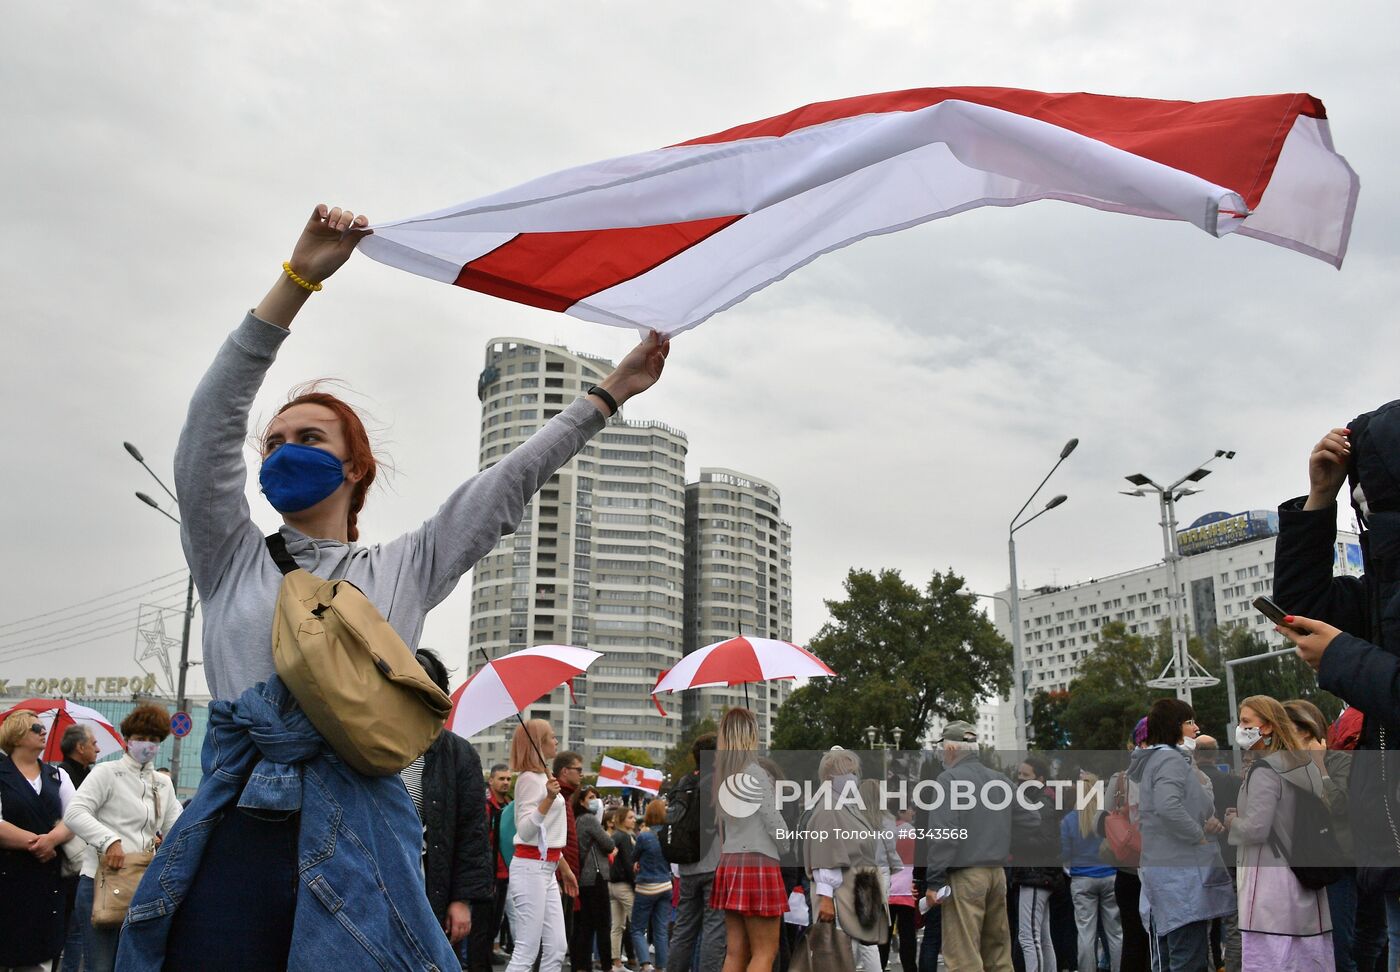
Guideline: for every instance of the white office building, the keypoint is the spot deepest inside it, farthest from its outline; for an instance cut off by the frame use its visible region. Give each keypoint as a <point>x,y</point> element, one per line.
<point>1227,561</point>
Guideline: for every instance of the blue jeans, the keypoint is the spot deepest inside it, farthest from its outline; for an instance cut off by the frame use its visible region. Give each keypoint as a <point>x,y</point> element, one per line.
<point>1392,925</point>
<point>654,911</point>
<point>1185,949</point>
<point>932,943</point>
<point>75,946</point>
<point>1341,901</point>
<point>99,944</point>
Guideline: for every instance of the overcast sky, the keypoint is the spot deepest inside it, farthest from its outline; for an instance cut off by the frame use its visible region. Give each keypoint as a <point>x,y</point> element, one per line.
<point>905,394</point>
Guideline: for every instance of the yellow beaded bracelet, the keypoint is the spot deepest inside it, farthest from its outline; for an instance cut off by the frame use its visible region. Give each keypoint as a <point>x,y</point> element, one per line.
<point>299,281</point>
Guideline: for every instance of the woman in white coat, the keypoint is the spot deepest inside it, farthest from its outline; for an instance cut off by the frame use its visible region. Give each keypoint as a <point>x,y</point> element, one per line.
<point>123,807</point>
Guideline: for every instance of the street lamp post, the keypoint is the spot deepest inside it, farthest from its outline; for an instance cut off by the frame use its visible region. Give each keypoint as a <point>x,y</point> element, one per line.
<point>1187,673</point>
<point>180,700</point>
<point>1019,677</point>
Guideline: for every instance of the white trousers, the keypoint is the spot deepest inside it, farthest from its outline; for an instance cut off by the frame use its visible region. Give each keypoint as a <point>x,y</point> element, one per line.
<point>536,916</point>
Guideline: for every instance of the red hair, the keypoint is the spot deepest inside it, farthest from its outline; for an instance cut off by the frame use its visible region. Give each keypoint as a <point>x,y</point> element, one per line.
<point>361,454</point>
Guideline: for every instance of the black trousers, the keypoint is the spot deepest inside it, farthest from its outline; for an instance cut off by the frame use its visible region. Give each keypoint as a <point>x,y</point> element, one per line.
<point>592,926</point>
<point>903,916</point>
<point>1126,891</point>
<point>486,925</point>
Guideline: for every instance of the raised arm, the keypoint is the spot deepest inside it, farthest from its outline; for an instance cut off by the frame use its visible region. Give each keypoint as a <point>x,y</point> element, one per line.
<point>1303,580</point>
<point>210,471</point>
<point>490,504</point>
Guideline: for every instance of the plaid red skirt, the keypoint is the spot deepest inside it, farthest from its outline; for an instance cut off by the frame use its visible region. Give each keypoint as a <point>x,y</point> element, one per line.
<point>751,884</point>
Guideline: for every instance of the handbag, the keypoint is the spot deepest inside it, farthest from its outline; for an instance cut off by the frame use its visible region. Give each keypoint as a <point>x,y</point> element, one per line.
<point>114,887</point>
<point>1122,836</point>
<point>825,948</point>
<point>350,672</point>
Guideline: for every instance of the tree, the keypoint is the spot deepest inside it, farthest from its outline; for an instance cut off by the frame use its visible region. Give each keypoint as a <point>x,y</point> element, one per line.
<point>901,657</point>
<point>679,762</point>
<point>1047,720</point>
<point>1282,678</point>
<point>1110,693</point>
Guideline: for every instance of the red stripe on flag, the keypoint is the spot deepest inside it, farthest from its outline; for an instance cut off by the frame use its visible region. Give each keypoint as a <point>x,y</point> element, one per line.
<point>1245,135</point>
<point>554,271</point>
<point>1233,142</point>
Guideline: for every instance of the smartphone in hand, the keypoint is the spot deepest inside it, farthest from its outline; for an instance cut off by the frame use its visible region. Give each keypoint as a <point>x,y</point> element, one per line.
<point>1265,605</point>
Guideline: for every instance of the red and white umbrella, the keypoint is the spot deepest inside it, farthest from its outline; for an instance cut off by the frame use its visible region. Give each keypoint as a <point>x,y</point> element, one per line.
<point>506,686</point>
<point>58,714</point>
<point>736,661</point>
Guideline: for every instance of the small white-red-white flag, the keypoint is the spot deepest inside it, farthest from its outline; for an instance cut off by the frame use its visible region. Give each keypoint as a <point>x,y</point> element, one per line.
<point>666,238</point>
<point>614,772</point>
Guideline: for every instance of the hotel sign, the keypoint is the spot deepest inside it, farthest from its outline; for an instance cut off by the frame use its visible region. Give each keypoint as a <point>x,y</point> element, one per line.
<point>1216,530</point>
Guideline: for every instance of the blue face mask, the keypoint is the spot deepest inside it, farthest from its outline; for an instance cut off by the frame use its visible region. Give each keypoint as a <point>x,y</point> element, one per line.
<point>297,477</point>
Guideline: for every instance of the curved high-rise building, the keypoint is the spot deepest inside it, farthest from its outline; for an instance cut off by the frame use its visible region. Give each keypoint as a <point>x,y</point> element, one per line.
<point>738,582</point>
<point>598,560</point>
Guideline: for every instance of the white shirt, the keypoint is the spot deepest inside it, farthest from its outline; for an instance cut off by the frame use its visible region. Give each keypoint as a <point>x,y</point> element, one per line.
<point>544,831</point>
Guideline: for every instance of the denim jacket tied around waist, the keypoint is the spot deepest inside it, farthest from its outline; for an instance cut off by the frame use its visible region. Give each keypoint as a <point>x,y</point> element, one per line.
<point>360,882</point>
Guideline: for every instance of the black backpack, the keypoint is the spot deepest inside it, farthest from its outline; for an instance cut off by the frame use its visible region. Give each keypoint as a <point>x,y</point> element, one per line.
<point>680,837</point>
<point>1312,829</point>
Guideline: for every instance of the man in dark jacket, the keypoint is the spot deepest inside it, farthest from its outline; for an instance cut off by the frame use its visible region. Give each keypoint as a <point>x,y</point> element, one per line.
<point>457,857</point>
<point>484,932</point>
<point>568,770</point>
<point>79,747</point>
<point>1348,628</point>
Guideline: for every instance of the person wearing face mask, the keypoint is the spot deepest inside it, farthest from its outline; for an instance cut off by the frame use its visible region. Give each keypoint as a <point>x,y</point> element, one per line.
<point>123,806</point>
<point>334,867</point>
<point>1184,881</point>
<point>593,922</point>
<point>450,796</point>
<point>1283,925</point>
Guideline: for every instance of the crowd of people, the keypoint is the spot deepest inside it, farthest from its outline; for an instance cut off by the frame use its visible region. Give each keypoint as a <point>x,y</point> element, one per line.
<point>286,855</point>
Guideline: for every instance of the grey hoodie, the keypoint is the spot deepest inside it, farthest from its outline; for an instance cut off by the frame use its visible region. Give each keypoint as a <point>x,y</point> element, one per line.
<point>1182,874</point>
<point>404,578</point>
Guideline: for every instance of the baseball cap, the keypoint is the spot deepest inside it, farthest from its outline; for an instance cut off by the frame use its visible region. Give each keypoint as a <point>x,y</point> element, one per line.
<point>958,731</point>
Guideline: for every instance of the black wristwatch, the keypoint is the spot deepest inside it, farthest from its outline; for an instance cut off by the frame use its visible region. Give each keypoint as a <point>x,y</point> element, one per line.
<point>608,400</point>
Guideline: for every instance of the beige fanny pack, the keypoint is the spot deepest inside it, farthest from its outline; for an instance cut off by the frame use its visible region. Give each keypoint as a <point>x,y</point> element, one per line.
<point>352,674</point>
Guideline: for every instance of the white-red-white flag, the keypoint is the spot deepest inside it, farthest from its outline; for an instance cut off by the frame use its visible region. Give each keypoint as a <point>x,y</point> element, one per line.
<point>614,772</point>
<point>667,238</point>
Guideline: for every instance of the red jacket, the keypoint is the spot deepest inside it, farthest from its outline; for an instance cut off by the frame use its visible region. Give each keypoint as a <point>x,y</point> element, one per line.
<point>493,809</point>
<point>571,842</point>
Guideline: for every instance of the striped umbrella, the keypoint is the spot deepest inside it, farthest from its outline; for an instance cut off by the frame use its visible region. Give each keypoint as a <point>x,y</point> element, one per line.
<point>739,661</point>
<point>58,714</point>
<point>506,686</point>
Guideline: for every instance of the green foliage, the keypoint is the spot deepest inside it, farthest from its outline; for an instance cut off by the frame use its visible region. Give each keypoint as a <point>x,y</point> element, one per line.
<point>1110,694</point>
<point>1047,720</point>
<point>1283,678</point>
<point>679,762</point>
<point>902,655</point>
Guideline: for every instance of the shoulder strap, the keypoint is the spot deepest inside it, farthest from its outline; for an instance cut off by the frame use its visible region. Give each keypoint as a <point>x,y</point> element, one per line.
<point>277,547</point>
